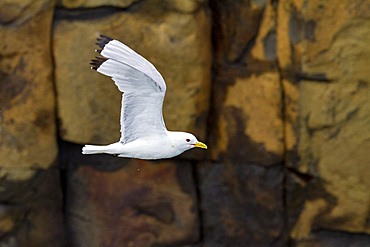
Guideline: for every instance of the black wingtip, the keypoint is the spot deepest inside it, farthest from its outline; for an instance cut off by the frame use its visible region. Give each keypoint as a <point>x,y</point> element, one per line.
<point>105,37</point>
<point>97,62</point>
<point>103,41</point>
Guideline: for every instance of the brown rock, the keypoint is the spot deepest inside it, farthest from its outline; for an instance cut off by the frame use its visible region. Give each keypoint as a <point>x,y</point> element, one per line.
<point>236,26</point>
<point>346,58</point>
<point>331,26</point>
<point>250,127</point>
<point>30,208</point>
<point>289,36</point>
<point>18,13</point>
<point>242,205</point>
<point>142,204</point>
<point>247,97</point>
<point>324,238</point>
<point>326,49</point>
<point>95,3</point>
<point>289,33</point>
<point>177,44</point>
<point>26,96</point>
<point>185,6</point>
<point>333,146</point>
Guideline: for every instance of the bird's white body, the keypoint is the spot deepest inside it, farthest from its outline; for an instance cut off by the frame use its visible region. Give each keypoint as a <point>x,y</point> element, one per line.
<point>143,132</point>
<point>149,148</point>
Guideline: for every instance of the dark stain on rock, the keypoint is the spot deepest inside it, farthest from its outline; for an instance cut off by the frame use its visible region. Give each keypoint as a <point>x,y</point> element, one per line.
<point>313,164</point>
<point>269,45</point>
<point>309,30</point>
<point>43,185</point>
<point>362,84</point>
<point>71,158</point>
<point>184,176</point>
<point>162,211</point>
<point>309,130</point>
<point>28,202</point>
<point>324,237</point>
<point>367,222</point>
<point>302,176</point>
<point>43,119</point>
<point>235,28</point>
<point>13,85</point>
<point>12,141</point>
<point>201,120</point>
<point>334,134</point>
<point>241,149</point>
<point>242,209</point>
<point>352,113</point>
<point>292,157</point>
<point>132,198</point>
<point>17,14</point>
<point>298,193</point>
<point>295,26</point>
<point>299,28</point>
<point>313,77</point>
<point>62,13</point>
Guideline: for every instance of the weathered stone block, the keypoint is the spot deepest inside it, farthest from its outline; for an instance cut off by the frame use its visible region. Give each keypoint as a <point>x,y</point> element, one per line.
<point>113,201</point>
<point>324,238</point>
<point>27,128</point>
<point>177,44</point>
<point>339,30</point>
<point>247,97</point>
<point>95,3</point>
<point>250,125</point>
<point>236,26</point>
<point>185,6</point>
<point>31,209</point>
<point>30,201</point>
<point>333,147</point>
<point>346,57</point>
<point>324,56</point>
<point>242,205</point>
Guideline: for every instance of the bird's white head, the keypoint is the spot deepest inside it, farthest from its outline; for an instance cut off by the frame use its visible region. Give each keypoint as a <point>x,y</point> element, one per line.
<point>183,141</point>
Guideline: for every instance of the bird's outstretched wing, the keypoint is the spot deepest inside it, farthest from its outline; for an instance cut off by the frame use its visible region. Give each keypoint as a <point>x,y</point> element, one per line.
<point>142,85</point>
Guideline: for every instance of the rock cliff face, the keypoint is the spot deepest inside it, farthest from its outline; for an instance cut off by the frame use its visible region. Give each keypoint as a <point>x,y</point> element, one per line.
<point>279,91</point>
<point>30,195</point>
<point>325,58</point>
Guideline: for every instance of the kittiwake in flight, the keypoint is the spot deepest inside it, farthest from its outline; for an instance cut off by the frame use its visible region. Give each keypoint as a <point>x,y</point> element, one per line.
<point>143,132</point>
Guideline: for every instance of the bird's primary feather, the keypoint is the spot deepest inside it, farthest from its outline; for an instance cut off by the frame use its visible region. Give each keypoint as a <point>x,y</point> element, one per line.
<point>142,86</point>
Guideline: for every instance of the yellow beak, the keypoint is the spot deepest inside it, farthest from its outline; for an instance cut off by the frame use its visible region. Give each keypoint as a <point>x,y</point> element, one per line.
<point>200,145</point>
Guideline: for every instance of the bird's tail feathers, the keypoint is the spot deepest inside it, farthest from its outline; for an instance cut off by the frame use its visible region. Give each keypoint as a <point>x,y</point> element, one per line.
<point>93,149</point>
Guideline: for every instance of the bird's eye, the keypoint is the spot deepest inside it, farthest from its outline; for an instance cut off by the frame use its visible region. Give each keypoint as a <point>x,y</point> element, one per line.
<point>187,140</point>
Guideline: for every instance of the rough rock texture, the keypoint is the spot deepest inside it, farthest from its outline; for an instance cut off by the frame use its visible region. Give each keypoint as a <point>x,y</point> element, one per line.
<point>183,6</point>
<point>117,202</point>
<point>242,205</point>
<point>31,210</point>
<point>327,111</point>
<point>337,239</point>
<point>245,134</point>
<point>242,194</point>
<point>247,91</point>
<point>177,44</point>
<point>285,115</point>
<point>26,96</point>
<point>95,3</point>
<point>30,201</point>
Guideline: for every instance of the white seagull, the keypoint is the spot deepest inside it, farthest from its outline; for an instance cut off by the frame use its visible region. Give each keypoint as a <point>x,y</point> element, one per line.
<point>143,132</point>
